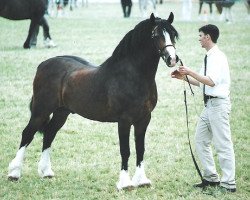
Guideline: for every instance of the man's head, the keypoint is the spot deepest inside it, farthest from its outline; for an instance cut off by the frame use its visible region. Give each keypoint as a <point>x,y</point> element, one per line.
<point>208,35</point>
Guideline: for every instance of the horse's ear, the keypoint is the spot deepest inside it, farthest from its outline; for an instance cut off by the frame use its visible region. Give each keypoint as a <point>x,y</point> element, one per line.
<point>171,18</point>
<point>152,19</point>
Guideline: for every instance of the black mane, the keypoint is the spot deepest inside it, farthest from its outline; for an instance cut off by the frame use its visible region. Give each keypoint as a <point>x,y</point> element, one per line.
<point>135,39</point>
<point>139,38</point>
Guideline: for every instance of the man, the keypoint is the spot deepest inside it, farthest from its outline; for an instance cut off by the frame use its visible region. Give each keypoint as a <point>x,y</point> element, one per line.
<point>213,124</point>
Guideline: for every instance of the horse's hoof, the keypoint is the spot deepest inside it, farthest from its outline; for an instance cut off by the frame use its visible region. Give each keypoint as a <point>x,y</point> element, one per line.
<point>11,178</point>
<point>26,46</point>
<point>142,183</point>
<point>48,43</point>
<point>48,177</point>
<point>126,188</point>
<point>124,182</point>
<point>129,188</point>
<point>145,185</point>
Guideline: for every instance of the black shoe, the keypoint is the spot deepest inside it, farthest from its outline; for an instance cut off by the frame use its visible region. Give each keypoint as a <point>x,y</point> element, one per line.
<point>228,189</point>
<point>206,183</point>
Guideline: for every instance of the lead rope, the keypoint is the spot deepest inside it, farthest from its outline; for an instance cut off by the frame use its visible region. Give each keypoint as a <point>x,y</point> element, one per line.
<point>187,123</point>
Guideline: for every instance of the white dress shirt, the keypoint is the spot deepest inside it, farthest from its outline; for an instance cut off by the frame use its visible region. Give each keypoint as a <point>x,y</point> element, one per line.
<point>218,72</point>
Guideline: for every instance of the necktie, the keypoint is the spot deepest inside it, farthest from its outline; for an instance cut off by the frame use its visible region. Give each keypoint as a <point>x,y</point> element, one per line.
<point>205,72</point>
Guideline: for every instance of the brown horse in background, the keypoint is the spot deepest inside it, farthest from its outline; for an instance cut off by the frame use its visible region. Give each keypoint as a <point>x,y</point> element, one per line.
<point>218,3</point>
<point>28,9</point>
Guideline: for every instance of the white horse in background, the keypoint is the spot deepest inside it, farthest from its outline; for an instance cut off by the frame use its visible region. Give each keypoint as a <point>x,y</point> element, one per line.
<point>143,6</point>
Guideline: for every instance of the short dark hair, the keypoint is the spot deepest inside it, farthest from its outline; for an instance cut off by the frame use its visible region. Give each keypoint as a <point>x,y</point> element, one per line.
<point>211,30</point>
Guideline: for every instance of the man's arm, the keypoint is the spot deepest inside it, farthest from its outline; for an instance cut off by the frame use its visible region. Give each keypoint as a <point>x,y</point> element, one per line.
<point>183,70</point>
<point>176,74</point>
<point>192,81</point>
<point>202,79</point>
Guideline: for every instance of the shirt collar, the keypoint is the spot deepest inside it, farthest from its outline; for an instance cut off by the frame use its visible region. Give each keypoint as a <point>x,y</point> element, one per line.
<point>213,49</point>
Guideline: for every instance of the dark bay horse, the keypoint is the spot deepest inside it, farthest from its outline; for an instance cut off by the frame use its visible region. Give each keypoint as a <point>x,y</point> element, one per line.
<point>28,9</point>
<point>218,3</point>
<point>209,2</point>
<point>122,90</point>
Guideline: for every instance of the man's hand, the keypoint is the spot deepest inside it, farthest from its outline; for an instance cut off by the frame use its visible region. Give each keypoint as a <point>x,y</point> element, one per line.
<point>184,70</point>
<point>176,74</point>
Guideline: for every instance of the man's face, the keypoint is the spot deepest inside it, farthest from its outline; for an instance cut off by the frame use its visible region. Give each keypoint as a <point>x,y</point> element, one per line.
<point>203,39</point>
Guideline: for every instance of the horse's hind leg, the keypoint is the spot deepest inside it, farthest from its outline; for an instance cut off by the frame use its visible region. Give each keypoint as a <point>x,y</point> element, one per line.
<point>57,121</point>
<point>140,179</point>
<point>33,39</point>
<point>48,42</point>
<point>33,24</point>
<point>27,136</point>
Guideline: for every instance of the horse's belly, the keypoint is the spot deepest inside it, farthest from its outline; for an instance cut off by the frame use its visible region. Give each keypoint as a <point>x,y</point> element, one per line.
<point>97,113</point>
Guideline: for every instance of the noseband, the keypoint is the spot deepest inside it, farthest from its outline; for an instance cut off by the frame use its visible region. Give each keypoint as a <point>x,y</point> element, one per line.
<point>163,48</point>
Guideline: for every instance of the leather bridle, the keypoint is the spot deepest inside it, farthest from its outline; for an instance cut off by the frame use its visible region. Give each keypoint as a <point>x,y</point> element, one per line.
<point>160,50</point>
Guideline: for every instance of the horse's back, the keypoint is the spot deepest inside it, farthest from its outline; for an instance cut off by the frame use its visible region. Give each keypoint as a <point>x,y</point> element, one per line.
<point>53,75</point>
<point>78,59</point>
<point>63,65</point>
<point>22,9</point>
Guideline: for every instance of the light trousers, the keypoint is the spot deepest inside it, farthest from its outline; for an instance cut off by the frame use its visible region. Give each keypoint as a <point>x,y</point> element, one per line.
<point>214,127</point>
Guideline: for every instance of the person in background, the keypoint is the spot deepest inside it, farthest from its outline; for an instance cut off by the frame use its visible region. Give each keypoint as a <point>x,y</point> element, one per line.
<point>126,7</point>
<point>186,10</point>
<point>213,125</point>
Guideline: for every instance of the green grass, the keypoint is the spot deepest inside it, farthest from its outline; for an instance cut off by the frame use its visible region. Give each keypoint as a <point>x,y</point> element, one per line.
<point>85,154</point>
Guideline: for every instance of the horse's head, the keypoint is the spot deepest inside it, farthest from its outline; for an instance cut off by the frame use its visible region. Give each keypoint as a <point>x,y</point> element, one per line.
<point>164,35</point>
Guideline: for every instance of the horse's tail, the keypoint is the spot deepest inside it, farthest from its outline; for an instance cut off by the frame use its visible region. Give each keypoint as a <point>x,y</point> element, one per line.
<point>41,129</point>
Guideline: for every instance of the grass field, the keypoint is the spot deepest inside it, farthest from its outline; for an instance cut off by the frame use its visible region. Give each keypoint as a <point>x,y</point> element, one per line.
<point>85,154</point>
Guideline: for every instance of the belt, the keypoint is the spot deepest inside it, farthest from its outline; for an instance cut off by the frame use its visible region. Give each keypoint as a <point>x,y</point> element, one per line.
<point>210,97</point>
<point>206,97</point>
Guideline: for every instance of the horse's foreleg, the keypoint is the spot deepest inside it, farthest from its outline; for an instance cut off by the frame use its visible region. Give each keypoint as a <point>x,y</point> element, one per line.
<point>15,165</point>
<point>140,179</point>
<point>57,121</point>
<point>27,136</point>
<point>124,179</point>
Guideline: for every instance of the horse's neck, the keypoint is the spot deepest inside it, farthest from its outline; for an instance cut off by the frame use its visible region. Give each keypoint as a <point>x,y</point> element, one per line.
<point>147,62</point>
<point>141,56</point>
<point>143,62</point>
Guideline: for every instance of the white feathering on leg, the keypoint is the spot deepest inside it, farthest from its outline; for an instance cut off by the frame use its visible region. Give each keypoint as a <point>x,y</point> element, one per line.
<point>44,166</point>
<point>140,179</point>
<point>15,165</point>
<point>124,181</point>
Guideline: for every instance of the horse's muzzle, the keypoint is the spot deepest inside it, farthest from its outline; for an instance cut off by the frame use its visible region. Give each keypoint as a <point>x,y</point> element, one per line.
<point>171,62</point>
